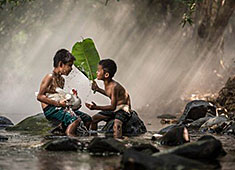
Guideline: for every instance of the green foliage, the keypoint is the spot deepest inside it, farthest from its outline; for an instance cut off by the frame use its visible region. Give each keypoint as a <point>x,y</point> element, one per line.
<point>190,9</point>
<point>87,57</point>
<point>12,3</point>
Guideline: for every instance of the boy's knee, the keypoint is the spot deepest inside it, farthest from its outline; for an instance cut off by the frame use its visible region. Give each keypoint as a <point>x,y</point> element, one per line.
<point>77,121</point>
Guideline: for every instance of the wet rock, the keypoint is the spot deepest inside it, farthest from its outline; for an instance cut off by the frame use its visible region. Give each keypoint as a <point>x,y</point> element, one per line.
<point>167,129</point>
<point>198,123</point>
<point>166,116</point>
<point>206,148</point>
<point>39,125</point>
<point>197,109</point>
<point>5,122</point>
<point>231,115</point>
<point>104,145</point>
<point>176,136</point>
<point>168,121</point>
<point>135,126</point>
<point>214,123</point>
<point>133,160</point>
<point>156,136</point>
<point>66,144</point>
<point>206,137</point>
<point>35,125</point>
<point>3,138</point>
<point>145,148</point>
<point>230,129</point>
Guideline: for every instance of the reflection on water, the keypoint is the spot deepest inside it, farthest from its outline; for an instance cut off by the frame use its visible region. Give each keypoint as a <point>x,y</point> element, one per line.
<point>24,152</point>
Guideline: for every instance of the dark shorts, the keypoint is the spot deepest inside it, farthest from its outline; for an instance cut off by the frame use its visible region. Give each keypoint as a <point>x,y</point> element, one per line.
<point>85,117</point>
<point>58,114</point>
<point>120,115</point>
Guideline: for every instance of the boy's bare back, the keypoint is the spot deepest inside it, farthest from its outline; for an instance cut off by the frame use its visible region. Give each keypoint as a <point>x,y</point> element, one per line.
<point>121,95</point>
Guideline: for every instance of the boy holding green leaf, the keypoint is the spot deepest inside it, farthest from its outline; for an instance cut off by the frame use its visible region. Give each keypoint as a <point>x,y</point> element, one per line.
<point>120,107</point>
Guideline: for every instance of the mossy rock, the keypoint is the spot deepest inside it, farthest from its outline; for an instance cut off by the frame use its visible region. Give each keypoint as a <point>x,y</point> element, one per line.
<point>4,122</point>
<point>35,125</point>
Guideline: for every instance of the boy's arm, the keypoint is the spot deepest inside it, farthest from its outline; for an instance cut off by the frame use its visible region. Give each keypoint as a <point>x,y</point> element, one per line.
<point>41,95</point>
<point>110,107</point>
<point>95,87</point>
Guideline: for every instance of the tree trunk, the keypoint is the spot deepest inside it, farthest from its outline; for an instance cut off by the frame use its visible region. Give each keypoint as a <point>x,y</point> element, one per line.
<point>213,17</point>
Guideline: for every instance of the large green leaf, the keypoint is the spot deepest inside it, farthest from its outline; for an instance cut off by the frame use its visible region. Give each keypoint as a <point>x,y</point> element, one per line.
<point>87,57</point>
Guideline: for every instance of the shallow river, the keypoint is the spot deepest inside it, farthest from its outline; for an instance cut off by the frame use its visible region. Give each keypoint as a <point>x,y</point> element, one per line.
<point>21,152</point>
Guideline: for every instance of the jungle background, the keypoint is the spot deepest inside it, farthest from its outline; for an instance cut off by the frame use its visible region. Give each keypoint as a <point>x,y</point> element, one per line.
<point>167,51</point>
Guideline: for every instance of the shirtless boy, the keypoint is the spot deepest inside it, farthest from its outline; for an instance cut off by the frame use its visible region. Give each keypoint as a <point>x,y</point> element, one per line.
<point>56,110</point>
<point>120,106</point>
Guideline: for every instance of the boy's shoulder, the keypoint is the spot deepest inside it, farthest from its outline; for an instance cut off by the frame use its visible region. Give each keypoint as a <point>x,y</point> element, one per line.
<point>51,76</point>
<point>48,76</point>
<point>117,86</point>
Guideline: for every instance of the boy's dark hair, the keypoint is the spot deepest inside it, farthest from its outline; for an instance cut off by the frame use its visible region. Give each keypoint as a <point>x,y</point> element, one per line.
<point>64,56</point>
<point>109,66</point>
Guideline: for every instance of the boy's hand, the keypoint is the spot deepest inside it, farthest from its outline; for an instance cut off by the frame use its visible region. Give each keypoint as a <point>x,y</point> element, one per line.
<point>91,106</point>
<point>72,113</point>
<point>94,86</point>
<point>62,103</point>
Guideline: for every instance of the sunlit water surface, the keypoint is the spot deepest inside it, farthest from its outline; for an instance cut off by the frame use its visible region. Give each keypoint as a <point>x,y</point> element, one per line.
<point>25,152</point>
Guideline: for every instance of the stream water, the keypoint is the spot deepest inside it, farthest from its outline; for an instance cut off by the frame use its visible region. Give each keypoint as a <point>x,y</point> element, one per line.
<point>24,152</point>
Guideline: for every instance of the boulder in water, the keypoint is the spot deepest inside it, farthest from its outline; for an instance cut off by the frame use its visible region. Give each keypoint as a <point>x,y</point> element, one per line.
<point>175,136</point>
<point>167,129</point>
<point>214,124</point>
<point>39,125</point>
<point>145,148</point>
<point>105,145</point>
<point>64,144</point>
<point>3,138</point>
<point>134,160</point>
<point>198,123</point>
<point>230,129</point>
<point>166,116</point>
<point>206,148</point>
<point>135,126</point>
<point>197,109</point>
<point>5,122</point>
<point>35,125</point>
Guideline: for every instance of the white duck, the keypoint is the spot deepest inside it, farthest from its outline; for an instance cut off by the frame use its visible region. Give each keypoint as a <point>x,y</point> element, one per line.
<point>72,98</point>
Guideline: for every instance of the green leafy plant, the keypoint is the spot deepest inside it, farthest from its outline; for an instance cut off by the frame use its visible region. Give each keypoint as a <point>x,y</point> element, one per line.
<point>12,3</point>
<point>191,6</point>
<point>87,57</point>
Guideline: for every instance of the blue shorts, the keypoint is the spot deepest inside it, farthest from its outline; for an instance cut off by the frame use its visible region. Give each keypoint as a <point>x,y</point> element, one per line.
<point>59,114</point>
